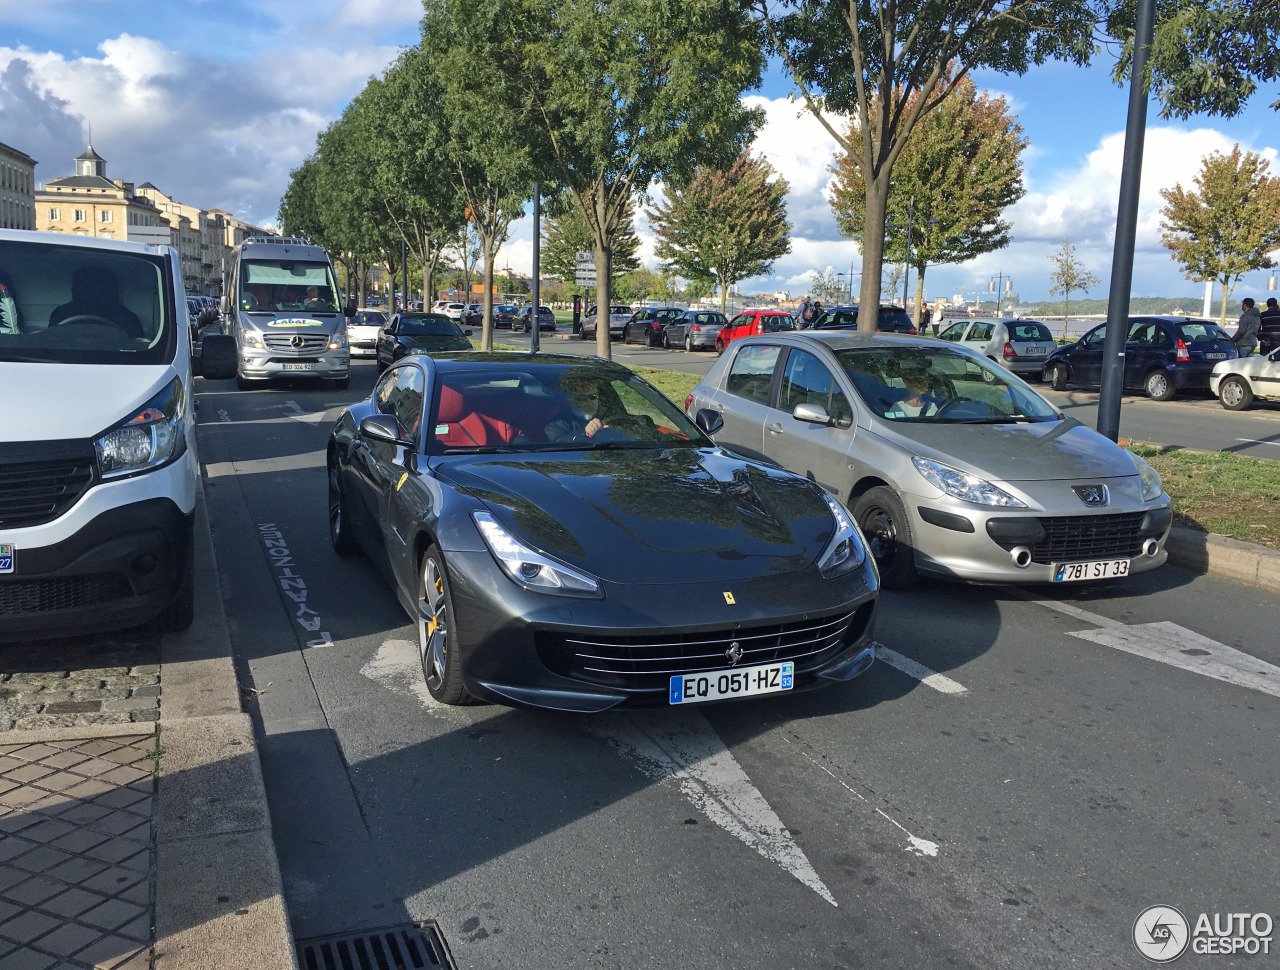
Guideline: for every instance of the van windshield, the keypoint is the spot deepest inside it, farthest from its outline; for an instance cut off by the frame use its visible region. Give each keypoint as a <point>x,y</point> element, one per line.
<point>272,286</point>
<point>84,305</point>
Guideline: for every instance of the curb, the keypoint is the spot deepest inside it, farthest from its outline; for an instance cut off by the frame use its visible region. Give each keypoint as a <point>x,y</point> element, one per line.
<point>1224,557</point>
<point>219,894</point>
<point>1091,397</point>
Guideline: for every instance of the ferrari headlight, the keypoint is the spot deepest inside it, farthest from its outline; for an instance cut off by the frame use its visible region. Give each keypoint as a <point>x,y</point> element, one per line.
<point>152,436</point>
<point>1152,487</point>
<point>965,487</point>
<point>252,339</point>
<point>530,568</point>
<point>847,549</point>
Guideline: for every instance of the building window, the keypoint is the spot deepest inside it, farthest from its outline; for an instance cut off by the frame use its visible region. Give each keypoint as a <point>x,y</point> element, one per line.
<point>104,216</point>
<point>55,215</point>
<point>79,215</point>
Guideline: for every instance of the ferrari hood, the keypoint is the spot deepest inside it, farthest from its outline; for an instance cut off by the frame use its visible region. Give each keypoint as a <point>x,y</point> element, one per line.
<point>644,516</point>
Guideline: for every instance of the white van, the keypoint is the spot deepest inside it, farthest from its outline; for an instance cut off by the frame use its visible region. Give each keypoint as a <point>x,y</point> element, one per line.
<point>98,465</point>
<point>287,318</point>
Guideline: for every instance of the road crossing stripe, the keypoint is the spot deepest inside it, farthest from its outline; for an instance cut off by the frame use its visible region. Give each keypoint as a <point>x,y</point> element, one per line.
<point>930,678</point>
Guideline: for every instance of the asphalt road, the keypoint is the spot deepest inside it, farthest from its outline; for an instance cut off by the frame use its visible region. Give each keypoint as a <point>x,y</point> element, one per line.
<point>1011,787</point>
<point>1195,421</point>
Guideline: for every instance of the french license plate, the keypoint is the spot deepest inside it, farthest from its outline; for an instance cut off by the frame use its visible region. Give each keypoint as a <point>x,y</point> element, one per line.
<point>1215,356</point>
<point>307,366</point>
<point>6,558</point>
<point>764,679</point>
<point>1074,572</point>
<point>1035,350</point>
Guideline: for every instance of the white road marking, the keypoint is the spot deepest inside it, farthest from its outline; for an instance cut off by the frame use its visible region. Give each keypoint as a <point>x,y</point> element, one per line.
<point>1179,647</point>
<point>1176,646</point>
<point>919,846</point>
<point>1255,441</point>
<point>930,678</point>
<point>396,667</point>
<point>683,746</point>
<point>294,410</point>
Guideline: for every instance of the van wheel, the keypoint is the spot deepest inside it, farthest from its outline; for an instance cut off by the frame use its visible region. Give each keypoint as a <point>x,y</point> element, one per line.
<point>1056,375</point>
<point>883,519</point>
<point>1158,386</point>
<point>244,383</point>
<point>179,614</point>
<point>1235,393</point>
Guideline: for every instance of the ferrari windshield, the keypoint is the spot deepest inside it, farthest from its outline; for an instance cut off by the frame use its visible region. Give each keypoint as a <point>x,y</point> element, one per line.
<point>940,384</point>
<point>84,305</point>
<point>427,325</point>
<point>554,407</point>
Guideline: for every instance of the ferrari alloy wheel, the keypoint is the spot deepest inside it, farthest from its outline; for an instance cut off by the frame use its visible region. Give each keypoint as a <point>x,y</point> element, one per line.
<point>340,537</point>
<point>440,662</point>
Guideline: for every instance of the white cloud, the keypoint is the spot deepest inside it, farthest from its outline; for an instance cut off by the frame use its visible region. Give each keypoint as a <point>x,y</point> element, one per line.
<point>209,133</point>
<point>379,13</point>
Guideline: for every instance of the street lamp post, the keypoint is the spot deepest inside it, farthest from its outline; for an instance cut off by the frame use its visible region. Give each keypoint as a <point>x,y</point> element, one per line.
<point>1002,284</point>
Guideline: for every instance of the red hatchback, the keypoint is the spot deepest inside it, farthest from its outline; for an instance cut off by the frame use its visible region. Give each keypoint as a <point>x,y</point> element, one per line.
<point>750,322</point>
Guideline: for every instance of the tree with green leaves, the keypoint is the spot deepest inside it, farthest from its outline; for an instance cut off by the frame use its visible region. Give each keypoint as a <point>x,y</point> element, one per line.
<point>888,65</point>
<point>959,169</point>
<point>628,91</point>
<point>1229,224</point>
<point>566,233</point>
<point>726,225</point>
<point>1069,276</point>
<point>827,287</point>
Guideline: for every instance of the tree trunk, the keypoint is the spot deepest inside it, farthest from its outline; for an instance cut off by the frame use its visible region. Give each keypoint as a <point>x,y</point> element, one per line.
<point>919,294</point>
<point>486,326</point>
<point>1066,310</point>
<point>603,346</point>
<point>724,292</point>
<point>872,254</point>
<point>1222,313</point>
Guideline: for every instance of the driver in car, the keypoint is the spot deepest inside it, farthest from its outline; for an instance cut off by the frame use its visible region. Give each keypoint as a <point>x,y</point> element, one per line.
<point>916,399</point>
<point>95,294</point>
<point>315,301</point>
<point>581,422</point>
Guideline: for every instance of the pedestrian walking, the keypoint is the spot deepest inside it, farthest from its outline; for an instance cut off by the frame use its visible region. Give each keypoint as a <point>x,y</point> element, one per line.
<point>806,312</point>
<point>1247,327</point>
<point>1269,332</point>
<point>925,316</point>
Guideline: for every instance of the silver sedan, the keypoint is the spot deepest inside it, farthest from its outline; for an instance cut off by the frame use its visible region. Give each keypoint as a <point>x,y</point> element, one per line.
<point>953,467</point>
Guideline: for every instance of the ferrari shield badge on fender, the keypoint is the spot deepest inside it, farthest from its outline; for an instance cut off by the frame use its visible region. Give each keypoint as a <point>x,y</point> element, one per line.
<point>728,598</point>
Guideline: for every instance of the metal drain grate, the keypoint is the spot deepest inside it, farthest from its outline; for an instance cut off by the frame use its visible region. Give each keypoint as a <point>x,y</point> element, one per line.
<point>411,946</point>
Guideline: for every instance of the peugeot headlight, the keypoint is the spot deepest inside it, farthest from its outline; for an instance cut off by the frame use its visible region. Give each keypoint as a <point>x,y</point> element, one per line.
<point>847,549</point>
<point>1152,487</point>
<point>153,436</point>
<point>965,487</point>
<point>530,568</point>
<point>338,341</point>
<point>252,339</point>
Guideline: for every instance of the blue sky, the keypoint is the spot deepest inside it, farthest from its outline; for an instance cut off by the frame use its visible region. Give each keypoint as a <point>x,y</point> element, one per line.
<point>215,101</point>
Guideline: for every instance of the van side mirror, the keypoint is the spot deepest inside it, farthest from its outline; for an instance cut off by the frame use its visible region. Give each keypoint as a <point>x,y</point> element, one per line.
<point>217,360</point>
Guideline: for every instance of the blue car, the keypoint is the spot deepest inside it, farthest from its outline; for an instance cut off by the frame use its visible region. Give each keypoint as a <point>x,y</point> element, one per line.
<point>1162,356</point>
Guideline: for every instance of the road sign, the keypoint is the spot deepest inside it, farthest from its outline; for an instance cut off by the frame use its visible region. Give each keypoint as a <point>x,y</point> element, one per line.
<point>585,279</point>
<point>586,259</point>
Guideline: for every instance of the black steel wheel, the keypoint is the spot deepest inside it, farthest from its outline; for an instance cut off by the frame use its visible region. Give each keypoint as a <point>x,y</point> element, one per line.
<point>1056,375</point>
<point>883,519</point>
<point>441,665</point>
<point>340,537</point>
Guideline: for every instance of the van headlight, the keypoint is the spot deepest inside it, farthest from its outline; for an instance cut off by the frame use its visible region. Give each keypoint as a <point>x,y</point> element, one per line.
<point>338,341</point>
<point>252,339</point>
<point>152,436</point>
<point>847,549</point>
<point>530,568</point>
<point>1152,487</point>
<point>964,486</point>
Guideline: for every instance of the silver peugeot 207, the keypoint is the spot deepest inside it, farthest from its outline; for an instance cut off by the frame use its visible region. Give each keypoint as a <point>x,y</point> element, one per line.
<point>953,467</point>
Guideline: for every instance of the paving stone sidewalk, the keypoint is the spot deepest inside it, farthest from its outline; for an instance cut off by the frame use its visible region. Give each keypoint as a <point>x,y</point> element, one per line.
<point>77,857</point>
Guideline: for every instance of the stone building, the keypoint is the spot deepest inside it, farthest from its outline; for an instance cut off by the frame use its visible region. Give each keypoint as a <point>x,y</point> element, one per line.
<point>90,204</point>
<point>17,189</point>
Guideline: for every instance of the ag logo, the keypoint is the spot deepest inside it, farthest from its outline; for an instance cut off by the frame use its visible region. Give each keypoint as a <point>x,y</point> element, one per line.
<point>1161,934</point>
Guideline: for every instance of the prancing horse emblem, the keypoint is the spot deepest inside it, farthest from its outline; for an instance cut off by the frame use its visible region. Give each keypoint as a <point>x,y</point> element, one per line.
<point>734,653</point>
